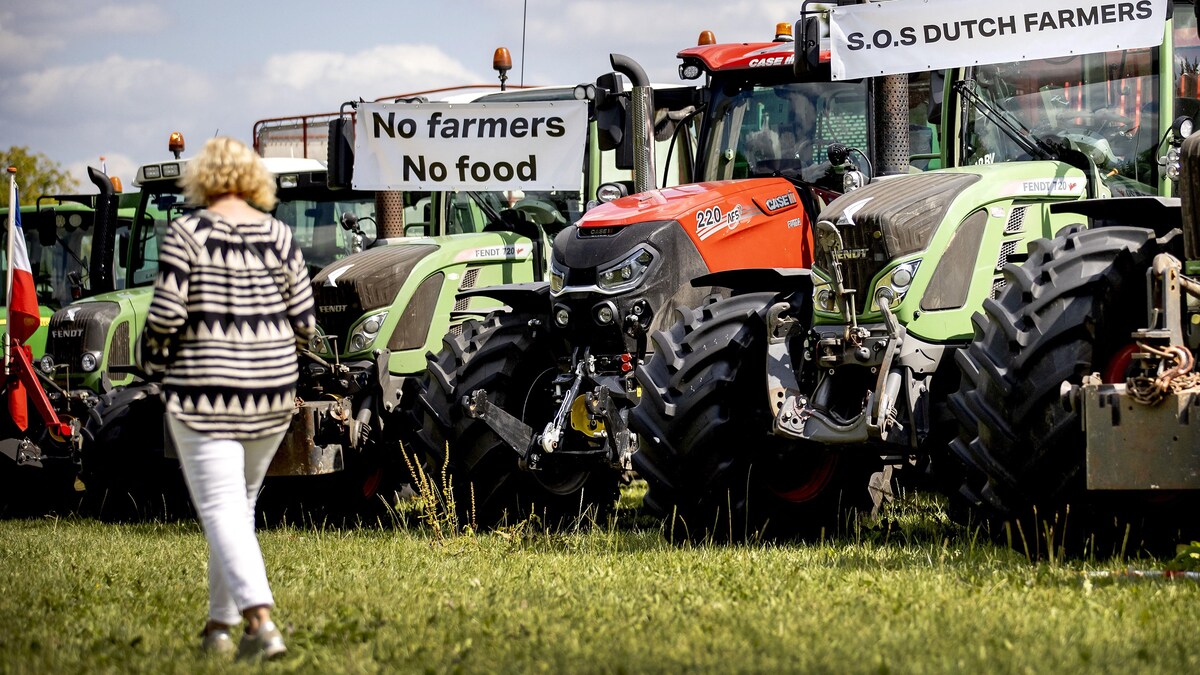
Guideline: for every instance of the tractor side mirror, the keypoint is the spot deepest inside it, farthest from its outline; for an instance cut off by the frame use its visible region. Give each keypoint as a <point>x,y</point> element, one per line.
<point>808,45</point>
<point>46,226</point>
<point>341,153</point>
<point>612,118</point>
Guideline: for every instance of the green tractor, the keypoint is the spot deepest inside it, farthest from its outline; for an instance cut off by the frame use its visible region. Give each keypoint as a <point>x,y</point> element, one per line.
<point>381,311</point>
<point>773,407</point>
<point>58,236</point>
<point>1078,408</point>
<point>119,445</point>
<point>63,239</point>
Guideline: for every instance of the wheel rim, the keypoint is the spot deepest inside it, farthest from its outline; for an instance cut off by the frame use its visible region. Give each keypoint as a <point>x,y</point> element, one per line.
<point>1118,366</point>
<point>555,477</point>
<point>371,484</point>
<point>812,475</point>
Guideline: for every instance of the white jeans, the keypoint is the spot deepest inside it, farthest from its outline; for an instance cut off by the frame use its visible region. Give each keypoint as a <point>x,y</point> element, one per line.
<point>223,477</point>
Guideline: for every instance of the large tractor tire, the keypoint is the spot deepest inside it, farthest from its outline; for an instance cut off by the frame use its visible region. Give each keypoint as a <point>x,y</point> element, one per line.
<point>511,355</point>
<point>714,469</point>
<point>1066,313</point>
<point>125,470</point>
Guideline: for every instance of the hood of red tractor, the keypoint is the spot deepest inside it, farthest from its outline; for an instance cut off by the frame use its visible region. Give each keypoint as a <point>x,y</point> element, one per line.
<point>736,56</point>
<point>737,224</point>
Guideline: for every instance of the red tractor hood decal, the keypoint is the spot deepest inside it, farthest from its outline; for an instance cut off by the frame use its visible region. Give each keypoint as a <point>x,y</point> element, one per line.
<point>742,55</point>
<point>674,203</point>
<point>733,224</point>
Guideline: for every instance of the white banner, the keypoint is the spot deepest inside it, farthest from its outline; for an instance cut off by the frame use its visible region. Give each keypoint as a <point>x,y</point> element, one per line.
<point>908,36</point>
<point>470,146</point>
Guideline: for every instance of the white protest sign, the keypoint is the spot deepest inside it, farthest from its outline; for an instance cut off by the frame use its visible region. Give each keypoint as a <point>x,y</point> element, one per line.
<point>470,146</point>
<point>908,36</point>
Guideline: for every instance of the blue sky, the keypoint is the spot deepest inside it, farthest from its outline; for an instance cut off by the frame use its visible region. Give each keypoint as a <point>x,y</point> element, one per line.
<point>80,80</point>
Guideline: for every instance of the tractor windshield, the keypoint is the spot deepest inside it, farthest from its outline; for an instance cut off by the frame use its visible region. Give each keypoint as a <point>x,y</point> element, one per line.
<point>313,211</point>
<point>58,240</point>
<point>1103,105</point>
<point>764,128</point>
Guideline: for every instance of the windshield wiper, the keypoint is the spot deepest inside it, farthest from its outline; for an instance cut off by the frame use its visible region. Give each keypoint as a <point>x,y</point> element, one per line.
<point>1011,126</point>
<point>488,209</point>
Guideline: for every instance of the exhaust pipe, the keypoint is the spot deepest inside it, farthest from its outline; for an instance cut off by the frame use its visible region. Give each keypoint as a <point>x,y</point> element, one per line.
<point>641,113</point>
<point>891,133</point>
<point>104,233</point>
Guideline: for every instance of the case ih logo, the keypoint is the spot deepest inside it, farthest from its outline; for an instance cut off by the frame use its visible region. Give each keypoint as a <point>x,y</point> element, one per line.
<point>331,309</point>
<point>782,201</point>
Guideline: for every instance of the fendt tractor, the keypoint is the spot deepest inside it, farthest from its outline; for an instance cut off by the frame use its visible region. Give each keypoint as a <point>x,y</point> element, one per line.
<point>769,407</point>
<point>1079,407</point>
<point>381,311</point>
<point>119,446</point>
<point>527,410</point>
<point>58,237</point>
<point>63,237</point>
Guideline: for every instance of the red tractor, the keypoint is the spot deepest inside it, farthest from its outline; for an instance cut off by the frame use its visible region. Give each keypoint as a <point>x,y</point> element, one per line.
<point>528,409</point>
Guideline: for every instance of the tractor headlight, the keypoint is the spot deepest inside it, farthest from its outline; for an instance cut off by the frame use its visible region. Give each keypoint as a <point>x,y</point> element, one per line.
<point>824,299</point>
<point>46,364</point>
<point>628,273</point>
<point>899,279</point>
<point>558,278</point>
<point>88,362</point>
<point>319,344</point>
<point>363,335</point>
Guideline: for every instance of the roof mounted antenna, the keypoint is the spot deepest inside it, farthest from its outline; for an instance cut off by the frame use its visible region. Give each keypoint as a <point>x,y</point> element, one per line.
<point>524,16</point>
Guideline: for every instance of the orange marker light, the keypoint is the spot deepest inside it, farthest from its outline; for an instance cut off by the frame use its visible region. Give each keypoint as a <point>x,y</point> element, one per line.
<point>175,143</point>
<point>706,38</point>
<point>501,59</point>
<point>116,183</point>
<point>502,63</point>
<point>783,32</point>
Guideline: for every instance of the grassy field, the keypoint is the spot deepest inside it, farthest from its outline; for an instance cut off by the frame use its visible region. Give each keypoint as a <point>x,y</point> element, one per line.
<point>911,594</point>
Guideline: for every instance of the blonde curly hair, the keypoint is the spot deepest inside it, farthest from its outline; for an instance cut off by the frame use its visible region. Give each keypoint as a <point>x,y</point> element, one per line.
<point>227,166</point>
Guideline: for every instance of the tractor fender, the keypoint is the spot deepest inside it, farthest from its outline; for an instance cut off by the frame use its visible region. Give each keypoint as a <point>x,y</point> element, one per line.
<point>754,280</point>
<point>532,296</point>
<point>1160,214</point>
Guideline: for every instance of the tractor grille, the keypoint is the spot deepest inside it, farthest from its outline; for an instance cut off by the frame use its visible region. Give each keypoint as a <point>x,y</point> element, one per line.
<point>863,255</point>
<point>119,354</point>
<point>1006,249</point>
<point>78,329</point>
<point>461,304</point>
<point>1016,220</point>
<point>998,286</point>
<point>469,279</point>
<point>344,291</point>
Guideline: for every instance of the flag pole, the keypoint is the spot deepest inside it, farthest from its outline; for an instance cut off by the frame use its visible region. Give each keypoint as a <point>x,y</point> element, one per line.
<point>12,226</point>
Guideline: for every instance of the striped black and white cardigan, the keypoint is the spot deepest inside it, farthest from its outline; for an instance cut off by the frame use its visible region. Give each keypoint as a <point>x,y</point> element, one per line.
<point>232,301</point>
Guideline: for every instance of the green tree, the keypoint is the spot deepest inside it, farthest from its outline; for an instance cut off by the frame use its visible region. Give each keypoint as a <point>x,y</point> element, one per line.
<point>37,174</point>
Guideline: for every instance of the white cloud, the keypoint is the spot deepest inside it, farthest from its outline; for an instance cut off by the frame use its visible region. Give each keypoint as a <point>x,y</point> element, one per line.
<point>19,50</point>
<point>372,73</point>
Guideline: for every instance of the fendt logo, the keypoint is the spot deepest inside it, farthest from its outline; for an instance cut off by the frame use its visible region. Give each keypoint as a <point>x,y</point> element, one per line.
<point>332,309</point>
<point>850,254</point>
<point>66,333</point>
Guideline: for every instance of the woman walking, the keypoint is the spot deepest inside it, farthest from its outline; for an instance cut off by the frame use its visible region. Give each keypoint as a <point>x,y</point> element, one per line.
<point>232,302</point>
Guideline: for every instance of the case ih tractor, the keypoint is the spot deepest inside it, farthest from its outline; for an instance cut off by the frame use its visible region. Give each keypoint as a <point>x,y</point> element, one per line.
<point>527,410</point>
<point>766,411</point>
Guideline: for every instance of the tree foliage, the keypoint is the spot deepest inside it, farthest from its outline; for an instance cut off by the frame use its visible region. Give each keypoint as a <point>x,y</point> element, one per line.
<point>37,174</point>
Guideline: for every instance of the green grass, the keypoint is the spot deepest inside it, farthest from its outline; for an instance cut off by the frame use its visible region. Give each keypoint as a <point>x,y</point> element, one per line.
<point>911,594</point>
